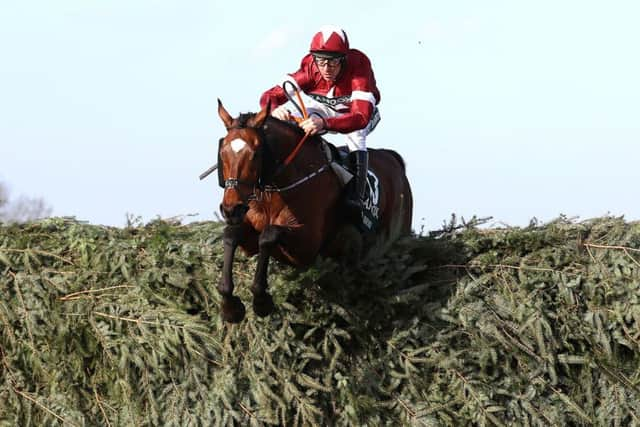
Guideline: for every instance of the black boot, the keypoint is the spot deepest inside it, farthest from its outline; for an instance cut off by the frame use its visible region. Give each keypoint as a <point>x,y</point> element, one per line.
<point>359,185</point>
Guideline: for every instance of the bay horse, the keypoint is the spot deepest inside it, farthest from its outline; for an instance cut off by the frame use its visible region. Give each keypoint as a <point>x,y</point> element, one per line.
<point>289,211</point>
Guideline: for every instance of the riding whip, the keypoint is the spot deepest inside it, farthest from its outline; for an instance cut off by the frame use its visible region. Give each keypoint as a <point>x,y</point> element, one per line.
<point>208,172</point>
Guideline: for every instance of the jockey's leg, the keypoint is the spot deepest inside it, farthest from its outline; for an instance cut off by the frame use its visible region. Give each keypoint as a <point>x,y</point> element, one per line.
<point>362,166</point>
<point>357,143</point>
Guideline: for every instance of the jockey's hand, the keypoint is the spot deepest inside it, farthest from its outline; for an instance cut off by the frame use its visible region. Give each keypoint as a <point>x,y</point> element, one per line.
<point>281,113</point>
<point>312,125</point>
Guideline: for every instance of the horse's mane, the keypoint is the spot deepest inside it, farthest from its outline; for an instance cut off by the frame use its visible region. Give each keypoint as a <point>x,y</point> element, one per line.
<point>243,119</point>
<point>287,124</point>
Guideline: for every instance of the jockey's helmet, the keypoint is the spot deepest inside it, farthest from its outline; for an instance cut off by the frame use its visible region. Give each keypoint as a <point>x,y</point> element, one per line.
<point>329,42</point>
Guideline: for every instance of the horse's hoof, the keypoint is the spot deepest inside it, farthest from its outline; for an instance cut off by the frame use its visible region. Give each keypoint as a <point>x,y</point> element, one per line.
<point>233,310</point>
<point>263,305</point>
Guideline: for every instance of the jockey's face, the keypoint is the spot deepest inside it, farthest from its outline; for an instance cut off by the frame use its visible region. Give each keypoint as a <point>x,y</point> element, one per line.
<point>329,68</point>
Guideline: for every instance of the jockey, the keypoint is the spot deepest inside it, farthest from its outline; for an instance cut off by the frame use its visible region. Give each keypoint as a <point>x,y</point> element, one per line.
<point>338,84</point>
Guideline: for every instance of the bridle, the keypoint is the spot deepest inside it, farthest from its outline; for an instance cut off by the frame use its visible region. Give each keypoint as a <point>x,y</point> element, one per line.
<point>261,186</point>
<point>234,182</point>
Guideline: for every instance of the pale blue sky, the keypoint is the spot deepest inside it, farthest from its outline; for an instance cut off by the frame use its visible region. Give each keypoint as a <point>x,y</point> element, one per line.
<point>508,109</point>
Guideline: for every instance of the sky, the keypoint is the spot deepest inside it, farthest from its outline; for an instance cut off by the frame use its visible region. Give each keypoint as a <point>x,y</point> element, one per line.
<point>506,109</point>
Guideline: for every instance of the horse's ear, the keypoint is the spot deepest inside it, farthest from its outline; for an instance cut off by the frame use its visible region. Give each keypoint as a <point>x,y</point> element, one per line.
<point>258,119</point>
<point>224,115</point>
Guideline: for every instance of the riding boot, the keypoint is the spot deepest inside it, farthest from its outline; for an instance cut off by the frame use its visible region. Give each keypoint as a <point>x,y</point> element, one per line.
<point>359,186</point>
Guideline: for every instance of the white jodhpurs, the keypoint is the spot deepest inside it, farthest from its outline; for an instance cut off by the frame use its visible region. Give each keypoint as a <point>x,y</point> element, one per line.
<point>356,140</point>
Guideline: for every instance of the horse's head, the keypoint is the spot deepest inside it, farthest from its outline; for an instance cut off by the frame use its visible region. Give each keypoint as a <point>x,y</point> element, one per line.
<point>240,161</point>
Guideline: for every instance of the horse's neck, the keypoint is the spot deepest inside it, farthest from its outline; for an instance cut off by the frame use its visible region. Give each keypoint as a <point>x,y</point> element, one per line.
<point>282,137</point>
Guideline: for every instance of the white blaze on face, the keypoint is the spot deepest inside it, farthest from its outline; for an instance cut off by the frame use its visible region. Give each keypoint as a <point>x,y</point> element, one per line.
<point>238,144</point>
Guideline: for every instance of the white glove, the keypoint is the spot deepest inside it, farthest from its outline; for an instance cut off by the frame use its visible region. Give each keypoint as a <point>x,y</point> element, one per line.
<point>281,113</point>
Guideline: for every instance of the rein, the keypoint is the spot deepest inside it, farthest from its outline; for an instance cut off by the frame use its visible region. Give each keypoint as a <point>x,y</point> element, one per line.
<point>233,183</point>
<point>274,189</point>
<point>294,153</point>
<point>305,116</point>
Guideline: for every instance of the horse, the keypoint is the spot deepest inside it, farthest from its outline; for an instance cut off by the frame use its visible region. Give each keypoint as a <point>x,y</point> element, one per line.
<point>283,200</point>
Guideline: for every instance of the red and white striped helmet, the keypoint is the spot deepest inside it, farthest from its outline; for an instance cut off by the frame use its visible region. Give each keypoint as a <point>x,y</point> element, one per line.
<point>330,41</point>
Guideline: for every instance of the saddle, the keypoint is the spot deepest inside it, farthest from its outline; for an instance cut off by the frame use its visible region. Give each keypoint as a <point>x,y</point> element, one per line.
<point>343,166</point>
<point>338,158</point>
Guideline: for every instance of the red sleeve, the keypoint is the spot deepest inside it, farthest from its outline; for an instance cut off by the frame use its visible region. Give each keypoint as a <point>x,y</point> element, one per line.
<point>357,118</point>
<point>364,97</point>
<point>275,95</point>
<point>301,78</point>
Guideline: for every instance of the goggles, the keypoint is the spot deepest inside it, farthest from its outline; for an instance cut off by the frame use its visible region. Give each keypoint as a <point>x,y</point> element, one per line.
<point>327,62</point>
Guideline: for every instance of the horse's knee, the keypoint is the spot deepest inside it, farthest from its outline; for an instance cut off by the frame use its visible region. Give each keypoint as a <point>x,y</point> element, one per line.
<point>269,236</point>
<point>233,234</point>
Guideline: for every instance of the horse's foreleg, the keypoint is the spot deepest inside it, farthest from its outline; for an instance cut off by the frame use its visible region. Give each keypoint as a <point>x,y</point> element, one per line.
<point>232,308</point>
<point>262,301</point>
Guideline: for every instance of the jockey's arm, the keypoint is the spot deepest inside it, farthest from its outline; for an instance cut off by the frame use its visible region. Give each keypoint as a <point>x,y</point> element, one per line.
<point>363,102</point>
<point>357,118</point>
<point>276,94</point>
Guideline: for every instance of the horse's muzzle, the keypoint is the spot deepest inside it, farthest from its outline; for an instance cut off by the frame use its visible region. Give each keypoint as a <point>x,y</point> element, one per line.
<point>234,214</point>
